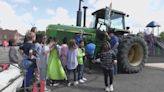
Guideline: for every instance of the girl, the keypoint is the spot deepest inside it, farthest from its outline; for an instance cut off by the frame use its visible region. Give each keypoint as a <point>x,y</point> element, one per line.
<point>55,69</point>
<point>81,54</point>
<point>43,63</point>
<point>108,58</point>
<point>72,62</point>
<point>64,51</point>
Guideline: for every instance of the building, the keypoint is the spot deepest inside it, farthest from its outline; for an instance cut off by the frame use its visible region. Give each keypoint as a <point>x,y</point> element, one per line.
<point>6,34</point>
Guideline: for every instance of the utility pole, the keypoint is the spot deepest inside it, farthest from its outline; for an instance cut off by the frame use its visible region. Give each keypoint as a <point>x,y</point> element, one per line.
<point>79,14</point>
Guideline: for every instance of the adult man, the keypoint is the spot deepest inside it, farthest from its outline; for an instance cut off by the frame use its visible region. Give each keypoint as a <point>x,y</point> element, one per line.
<point>114,42</point>
<point>90,49</point>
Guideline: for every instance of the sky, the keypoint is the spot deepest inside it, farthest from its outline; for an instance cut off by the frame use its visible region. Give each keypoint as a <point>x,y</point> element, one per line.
<point>23,14</point>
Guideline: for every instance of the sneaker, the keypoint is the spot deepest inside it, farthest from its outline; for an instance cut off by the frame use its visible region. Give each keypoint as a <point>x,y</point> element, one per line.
<point>107,89</point>
<point>69,84</point>
<point>76,83</point>
<point>46,89</point>
<point>111,88</point>
<point>84,79</point>
<point>55,84</point>
<point>81,81</point>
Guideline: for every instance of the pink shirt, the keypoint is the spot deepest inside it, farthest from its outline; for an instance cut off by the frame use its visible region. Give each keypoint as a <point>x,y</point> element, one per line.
<point>64,51</point>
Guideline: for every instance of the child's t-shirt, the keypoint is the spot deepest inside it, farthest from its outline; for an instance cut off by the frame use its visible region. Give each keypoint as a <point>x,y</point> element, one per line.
<point>72,59</point>
<point>107,59</point>
<point>27,47</point>
<point>38,50</point>
<point>64,51</point>
<point>80,56</point>
<point>44,56</point>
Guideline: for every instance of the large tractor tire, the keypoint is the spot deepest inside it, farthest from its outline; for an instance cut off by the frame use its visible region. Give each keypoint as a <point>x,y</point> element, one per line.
<point>132,54</point>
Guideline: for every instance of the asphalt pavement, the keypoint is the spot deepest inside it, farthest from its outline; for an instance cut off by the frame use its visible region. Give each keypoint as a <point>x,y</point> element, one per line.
<point>150,79</point>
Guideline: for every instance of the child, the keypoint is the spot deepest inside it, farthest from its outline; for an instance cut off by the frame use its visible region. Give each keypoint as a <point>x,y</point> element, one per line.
<point>64,51</point>
<point>38,50</point>
<point>55,69</point>
<point>43,63</point>
<point>28,49</point>
<point>108,58</point>
<point>72,62</point>
<point>90,49</point>
<point>13,53</point>
<point>81,63</point>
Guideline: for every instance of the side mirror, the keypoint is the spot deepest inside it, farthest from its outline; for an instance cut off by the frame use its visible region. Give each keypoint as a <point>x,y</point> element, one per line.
<point>127,15</point>
<point>127,28</point>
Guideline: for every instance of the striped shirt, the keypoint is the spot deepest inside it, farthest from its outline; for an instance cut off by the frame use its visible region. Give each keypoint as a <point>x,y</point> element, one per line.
<point>107,59</point>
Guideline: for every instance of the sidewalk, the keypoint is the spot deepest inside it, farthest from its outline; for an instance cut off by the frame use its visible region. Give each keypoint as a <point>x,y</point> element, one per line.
<point>155,65</point>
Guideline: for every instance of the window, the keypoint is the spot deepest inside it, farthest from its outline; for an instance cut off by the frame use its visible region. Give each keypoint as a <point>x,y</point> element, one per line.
<point>117,21</point>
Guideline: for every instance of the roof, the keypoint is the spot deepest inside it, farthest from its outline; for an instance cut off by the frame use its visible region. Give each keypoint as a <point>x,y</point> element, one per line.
<point>103,11</point>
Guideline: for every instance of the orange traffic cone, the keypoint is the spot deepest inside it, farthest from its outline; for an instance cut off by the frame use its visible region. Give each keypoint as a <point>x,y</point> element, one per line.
<point>35,88</point>
<point>42,86</point>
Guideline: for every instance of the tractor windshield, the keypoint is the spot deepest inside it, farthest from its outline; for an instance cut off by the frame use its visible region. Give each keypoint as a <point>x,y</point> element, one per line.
<point>117,21</point>
<point>113,19</point>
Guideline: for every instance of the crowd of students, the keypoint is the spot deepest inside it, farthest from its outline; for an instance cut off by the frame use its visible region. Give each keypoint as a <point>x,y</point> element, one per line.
<point>44,58</point>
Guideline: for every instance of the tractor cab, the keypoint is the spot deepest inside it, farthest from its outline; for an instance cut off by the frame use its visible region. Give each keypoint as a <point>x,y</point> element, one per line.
<point>109,20</point>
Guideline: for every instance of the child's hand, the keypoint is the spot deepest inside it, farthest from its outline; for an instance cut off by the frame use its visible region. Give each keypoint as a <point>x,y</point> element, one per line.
<point>115,61</point>
<point>106,33</point>
<point>98,60</point>
<point>94,61</point>
<point>31,56</point>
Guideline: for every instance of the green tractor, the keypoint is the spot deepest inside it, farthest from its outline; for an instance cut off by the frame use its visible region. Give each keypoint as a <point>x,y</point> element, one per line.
<point>132,49</point>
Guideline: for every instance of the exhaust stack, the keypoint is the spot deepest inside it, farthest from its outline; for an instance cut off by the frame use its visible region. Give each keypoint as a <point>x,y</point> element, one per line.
<point>79,15</point>
<point>85,9</point>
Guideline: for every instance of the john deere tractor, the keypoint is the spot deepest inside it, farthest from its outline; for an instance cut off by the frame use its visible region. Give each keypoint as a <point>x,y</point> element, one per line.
<point>132,50</point>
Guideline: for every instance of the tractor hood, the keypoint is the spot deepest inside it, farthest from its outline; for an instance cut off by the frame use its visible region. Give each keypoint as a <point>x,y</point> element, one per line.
<point>72,29</point>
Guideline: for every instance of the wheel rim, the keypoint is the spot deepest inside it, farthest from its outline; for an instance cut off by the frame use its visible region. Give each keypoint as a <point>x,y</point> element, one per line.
<point>135,54</point>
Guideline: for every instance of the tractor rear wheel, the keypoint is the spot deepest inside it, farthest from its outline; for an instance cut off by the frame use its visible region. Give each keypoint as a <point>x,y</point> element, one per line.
<point>132,54</point>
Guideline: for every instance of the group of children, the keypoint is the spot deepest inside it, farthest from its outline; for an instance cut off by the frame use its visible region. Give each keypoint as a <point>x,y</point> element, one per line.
<point>66,62</point>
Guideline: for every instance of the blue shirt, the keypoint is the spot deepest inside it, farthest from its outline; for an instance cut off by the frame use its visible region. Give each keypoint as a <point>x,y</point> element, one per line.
<point>114,40</point>
<point>44,57</point>
<point>90,48</point>
<point>78,38</point>
<point>27,47</point>
<point>38,49</point>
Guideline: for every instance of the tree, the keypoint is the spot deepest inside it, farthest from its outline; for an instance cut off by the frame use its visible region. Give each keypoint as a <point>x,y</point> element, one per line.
<point>41,32</point>
<point>162,35</point>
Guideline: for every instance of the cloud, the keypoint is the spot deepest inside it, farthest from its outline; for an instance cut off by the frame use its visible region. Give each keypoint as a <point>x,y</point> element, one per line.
<point>50,11</point>
<point>9,19</point>
<point>61,16</point>
<point>91,2</point>
<point>141,11</point>
<point>51,0</point>
<point>22,1</point>
<point>34,8</point>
